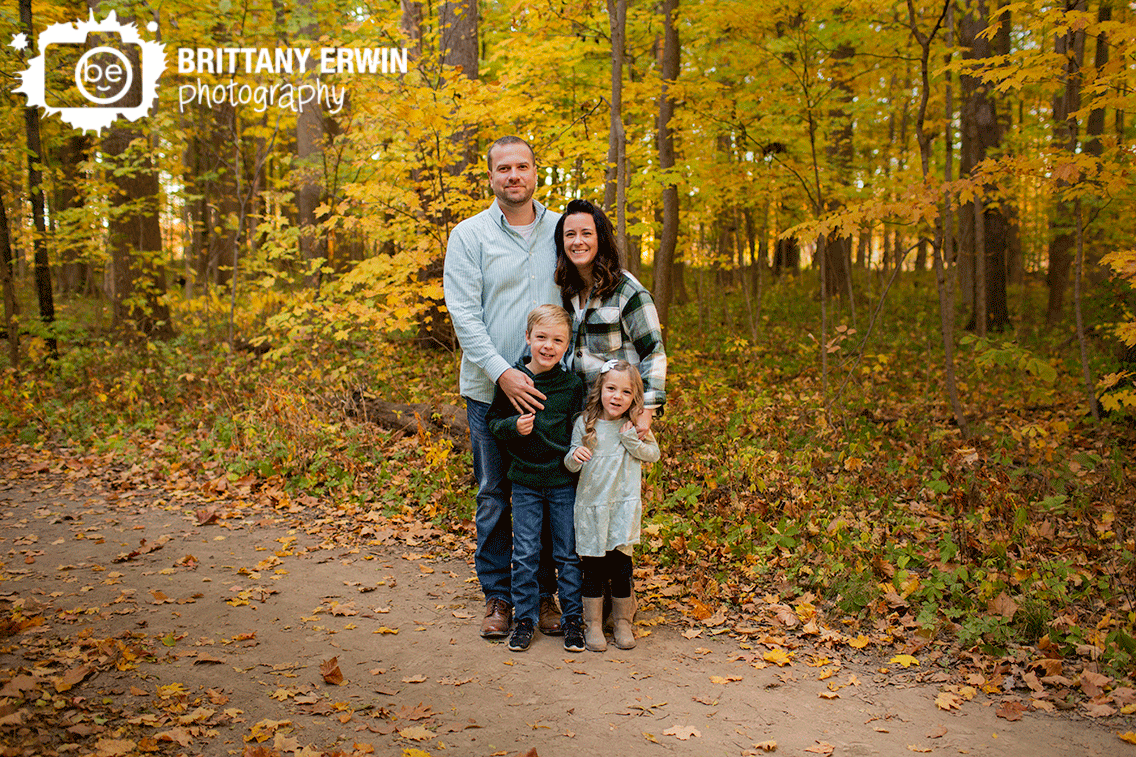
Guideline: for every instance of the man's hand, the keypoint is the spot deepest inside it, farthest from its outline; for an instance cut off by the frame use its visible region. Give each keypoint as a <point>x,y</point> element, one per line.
<point>520,390</point>
<point>582,454</point>
<point>525,424</point>
<point>643,422</point>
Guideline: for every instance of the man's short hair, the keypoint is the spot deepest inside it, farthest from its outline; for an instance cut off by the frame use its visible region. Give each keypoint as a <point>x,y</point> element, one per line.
<point>502,142</point>
<point>545,315</point>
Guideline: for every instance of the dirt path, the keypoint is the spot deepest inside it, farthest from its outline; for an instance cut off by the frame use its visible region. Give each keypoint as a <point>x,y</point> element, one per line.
<point>158,635</point>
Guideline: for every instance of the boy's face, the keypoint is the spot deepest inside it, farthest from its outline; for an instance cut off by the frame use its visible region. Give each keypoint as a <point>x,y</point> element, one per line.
<point>548,342</point>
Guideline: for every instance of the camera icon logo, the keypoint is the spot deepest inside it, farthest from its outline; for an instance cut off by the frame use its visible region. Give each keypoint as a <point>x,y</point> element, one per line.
<point>93,72</point>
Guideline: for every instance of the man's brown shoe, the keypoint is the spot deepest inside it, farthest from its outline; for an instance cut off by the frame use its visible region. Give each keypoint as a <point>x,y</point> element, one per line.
<point>498,618</point>
<point>550,617</point>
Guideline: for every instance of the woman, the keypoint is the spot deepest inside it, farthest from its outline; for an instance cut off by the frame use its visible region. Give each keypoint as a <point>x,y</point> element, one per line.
<point>614,317</point>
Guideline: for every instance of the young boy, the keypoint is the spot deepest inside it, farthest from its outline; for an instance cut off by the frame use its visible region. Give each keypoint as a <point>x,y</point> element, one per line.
<point>542,486</point>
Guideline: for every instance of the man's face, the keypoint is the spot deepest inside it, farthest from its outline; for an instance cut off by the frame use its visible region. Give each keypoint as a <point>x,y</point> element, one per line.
<point>548,342</point>
<point>512,177</point>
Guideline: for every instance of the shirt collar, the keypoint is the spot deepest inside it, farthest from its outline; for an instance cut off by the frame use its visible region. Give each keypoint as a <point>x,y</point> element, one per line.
<point>499,215</point>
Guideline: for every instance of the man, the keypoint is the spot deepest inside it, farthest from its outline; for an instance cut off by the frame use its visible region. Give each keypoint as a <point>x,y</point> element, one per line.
<point>499,266</point>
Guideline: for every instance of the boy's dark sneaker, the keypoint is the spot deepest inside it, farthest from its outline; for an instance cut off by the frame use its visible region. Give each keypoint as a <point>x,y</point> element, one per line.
<point>573,633</point>
<point>522,635</point>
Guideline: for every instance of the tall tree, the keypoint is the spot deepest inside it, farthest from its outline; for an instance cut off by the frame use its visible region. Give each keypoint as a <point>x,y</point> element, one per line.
<point>982,224</point>
<point>8,289</point>
<point>35,190</point>
<point>309,152</point>
<point>134,229</point>
<point>668,238</point>
<point>615,178</point>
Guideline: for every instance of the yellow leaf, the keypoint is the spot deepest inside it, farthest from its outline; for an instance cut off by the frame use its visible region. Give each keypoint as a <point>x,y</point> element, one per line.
<point>859,642</point>
<point>947,701</point>
<point>778,657</point>
<point>416,733</point>
<point>1129,736</point>
<point>905,660</point>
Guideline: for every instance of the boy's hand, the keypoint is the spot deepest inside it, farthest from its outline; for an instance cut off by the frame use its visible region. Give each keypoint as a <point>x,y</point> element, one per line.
<point>582,454</point>
<point>525,424</point>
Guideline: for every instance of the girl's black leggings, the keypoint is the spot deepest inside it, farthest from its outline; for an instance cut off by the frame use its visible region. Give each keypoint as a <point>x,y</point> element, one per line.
<point>614,567</point>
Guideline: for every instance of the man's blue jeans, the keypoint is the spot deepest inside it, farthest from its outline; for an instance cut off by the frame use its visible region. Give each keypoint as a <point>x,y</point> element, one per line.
<point>536,510</point>
<point>494,518</point>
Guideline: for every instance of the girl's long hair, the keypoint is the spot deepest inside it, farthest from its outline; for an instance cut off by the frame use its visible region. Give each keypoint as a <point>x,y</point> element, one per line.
<point>593,408</point>
<point>606,270</point>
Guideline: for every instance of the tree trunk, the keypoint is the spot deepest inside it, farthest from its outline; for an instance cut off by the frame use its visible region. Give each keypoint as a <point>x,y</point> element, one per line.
<point>946,301</point>
<point>983,224</point>
<point>838,265</point>
<point>615,178</point>
<point>75,274</point>
<point>668,239</point>
<point>1071,49</point>
<point>35,190</point>
<point>309,169</point>
<point>8,286</point>
<point>459,49</point>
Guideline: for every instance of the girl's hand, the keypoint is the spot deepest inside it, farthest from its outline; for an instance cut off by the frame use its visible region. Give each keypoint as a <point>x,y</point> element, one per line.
<point>525,424</point>
<point>582,454</point>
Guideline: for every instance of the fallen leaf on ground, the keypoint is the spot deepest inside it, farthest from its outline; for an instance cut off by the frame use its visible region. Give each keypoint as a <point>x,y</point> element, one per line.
<point>1099,710</point>
<point>114,747</point>
<point>766,746</point>
<point>778,657</point>
<point>682,732</point>
<point>1010,710</point>
<point>329,669</point>
<point>1129,736</point>
<point>921,749</point>
<point>1093,683</point>
<point>905,660</point>
<point>948,701</point>
<point>937,733</point>
<point>179,736</point>
<point>415,733</point>
<point>820,747</point>
<point>414,679</point>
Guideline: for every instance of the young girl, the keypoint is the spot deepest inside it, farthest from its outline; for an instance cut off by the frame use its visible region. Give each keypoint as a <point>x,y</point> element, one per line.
<point>608,453</point>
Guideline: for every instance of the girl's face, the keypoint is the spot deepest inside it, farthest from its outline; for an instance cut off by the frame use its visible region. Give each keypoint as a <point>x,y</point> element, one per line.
<point>580,240</point>
<point>616,395</point>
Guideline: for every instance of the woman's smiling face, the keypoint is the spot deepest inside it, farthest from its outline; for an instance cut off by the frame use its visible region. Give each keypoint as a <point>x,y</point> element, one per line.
<point>580,244</point>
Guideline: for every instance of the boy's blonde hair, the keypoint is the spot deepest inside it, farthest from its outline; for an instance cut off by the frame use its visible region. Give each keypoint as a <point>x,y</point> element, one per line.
<point>548,314</point>
<point>593,408</point>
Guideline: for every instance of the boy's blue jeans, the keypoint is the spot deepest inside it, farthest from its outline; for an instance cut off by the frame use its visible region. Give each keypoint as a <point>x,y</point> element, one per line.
<point>532,508</point>
<point>494,518</point>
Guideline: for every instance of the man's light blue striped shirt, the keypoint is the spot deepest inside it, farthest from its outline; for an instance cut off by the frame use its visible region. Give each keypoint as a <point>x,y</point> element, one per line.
<point>492,279</point>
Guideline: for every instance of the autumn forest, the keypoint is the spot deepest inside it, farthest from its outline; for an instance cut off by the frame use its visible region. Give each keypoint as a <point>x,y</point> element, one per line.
<point>891,245</point>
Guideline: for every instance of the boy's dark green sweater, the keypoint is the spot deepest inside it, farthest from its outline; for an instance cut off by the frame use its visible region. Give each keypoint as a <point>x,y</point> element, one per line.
<point>538,458</point>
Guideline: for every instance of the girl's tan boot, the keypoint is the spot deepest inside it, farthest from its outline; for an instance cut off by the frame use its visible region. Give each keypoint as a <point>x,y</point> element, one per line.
<point>623,610</point>
<point>593,624</point>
